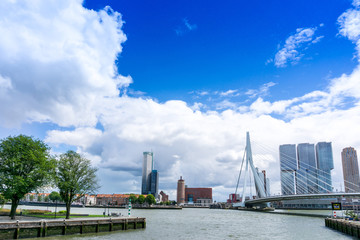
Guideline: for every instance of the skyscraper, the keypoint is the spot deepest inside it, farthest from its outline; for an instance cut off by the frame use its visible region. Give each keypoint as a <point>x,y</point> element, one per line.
<point>265,181</point>
<point>303,171</point>
<point>307,179</point>
<point>325,163</point>
<point>288,167</point>
<point>154,183</point>
<point>146,172</point>
<point>350,170</point>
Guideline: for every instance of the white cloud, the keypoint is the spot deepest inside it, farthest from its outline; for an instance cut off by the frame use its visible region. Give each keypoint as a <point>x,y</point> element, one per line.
<point>60,59</point>
<point>356,3</point>
<point>197,106</point>
<point>291,51</point>
<point>230,92</point>
<point>262,91</point>
<point>225,104</point>
<point>185,27</point>
<point>81,137</point>
<point>189,26</point>
<point>349,23</point>
<point>5,83</point>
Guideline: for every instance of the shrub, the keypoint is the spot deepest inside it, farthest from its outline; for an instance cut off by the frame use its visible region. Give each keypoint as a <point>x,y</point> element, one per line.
<point>35,211</point>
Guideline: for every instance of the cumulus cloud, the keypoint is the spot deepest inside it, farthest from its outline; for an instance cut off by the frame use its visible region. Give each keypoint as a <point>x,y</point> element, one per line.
<point>356,3</point>
<point>58,60</point>
<point>349,23</point>
<point>291,52</point>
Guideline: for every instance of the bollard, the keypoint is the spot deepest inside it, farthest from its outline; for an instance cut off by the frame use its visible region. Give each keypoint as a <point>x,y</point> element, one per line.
<point>64,228</point>
<point>40,229</point>
<point>17,230</point>
<point>44,233</point>
<point>97,227</point>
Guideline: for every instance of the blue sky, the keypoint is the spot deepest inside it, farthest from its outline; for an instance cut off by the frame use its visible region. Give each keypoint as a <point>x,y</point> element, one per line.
<point>228,47</point>
<point>186,79</point>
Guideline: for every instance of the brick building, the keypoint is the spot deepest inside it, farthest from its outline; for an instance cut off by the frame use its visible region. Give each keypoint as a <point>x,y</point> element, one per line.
<point>164,197</point>
<point>113,199</point>
<point>198,196</point>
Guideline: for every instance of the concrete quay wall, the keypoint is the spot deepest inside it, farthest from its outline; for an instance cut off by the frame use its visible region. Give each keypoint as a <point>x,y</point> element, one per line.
<point>351,228</point>
<point>44,228</point>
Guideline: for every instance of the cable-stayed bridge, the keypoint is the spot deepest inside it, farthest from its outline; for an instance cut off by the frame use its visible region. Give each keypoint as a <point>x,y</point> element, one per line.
<point>310,182</point>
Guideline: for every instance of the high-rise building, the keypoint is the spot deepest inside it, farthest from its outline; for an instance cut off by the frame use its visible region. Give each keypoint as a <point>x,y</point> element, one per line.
<point>265,181</point>
<point>307,174</point>
<point>325,163</point>
<point>180,191</point>
<point>154,183</point>
<point>350,170</point>
<point>303,171</point>
<point>288,167</point>
<point>146,172</point>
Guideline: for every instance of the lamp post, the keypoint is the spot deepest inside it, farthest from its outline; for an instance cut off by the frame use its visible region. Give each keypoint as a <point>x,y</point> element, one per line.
<point>55,207</point>
<point>129,213</point>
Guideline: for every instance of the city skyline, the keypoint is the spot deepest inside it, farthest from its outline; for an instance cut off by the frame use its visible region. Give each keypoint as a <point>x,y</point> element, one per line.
<point>184,79</point>
<point>306,168</point>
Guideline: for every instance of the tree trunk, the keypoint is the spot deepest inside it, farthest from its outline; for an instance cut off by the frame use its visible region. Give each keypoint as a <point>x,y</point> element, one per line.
<point>14,205</point>
<point>68,205</point>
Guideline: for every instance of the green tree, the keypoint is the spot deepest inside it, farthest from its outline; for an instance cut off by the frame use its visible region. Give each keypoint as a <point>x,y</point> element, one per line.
<point>55,197</point>
<point>140,199</point>
<point>39,198</point>
<point>46,198</point>
<point>31,198</point>
<point>132,198</point>
<point>74,178</point>
<point>25,165</point>
<point>150,199</point>
<point>2,200</point>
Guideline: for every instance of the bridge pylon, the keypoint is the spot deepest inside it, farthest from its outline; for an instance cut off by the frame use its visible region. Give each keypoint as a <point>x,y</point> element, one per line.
<point>258,183</point>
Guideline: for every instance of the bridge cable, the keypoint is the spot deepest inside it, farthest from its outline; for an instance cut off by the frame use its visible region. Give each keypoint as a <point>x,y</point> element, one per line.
<point>242,162</point>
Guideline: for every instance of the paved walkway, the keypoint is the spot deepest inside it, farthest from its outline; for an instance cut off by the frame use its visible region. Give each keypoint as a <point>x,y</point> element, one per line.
<point>20,218</point>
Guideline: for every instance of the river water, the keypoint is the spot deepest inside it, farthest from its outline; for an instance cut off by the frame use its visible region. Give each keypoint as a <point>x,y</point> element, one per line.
<point>208,224</point>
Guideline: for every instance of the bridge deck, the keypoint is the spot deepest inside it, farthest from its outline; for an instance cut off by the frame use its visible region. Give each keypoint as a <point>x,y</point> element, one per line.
<point>300,196</point>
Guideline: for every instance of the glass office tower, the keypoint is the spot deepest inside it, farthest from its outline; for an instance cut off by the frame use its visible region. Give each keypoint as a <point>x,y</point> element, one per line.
<point>154,183</point>
<point>146,172</point>
<point>307,175</point>
<point>288,167</point>
<point>325,164</point>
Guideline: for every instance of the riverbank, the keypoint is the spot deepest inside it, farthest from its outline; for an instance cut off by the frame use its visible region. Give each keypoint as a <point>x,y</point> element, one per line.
<point>348,227</point>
